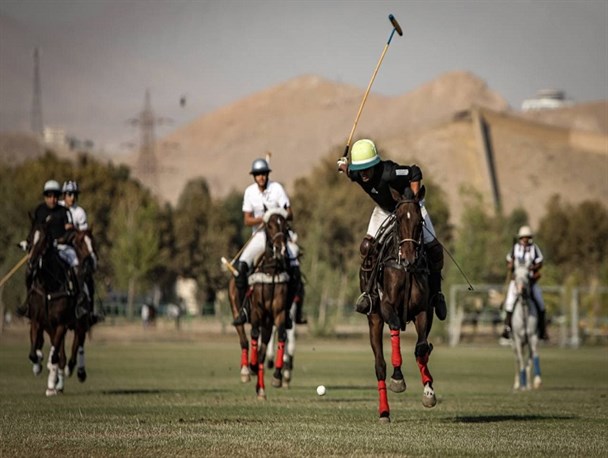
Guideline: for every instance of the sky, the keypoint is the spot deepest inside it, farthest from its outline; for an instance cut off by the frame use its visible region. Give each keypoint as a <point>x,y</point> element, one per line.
<point>98,57</point>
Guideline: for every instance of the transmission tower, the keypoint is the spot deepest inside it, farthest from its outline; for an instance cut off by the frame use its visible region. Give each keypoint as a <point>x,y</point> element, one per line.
<point>36,115</point>
<point>147,163</point>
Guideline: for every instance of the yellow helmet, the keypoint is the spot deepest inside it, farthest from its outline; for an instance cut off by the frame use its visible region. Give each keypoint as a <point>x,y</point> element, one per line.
<point>363,155</point>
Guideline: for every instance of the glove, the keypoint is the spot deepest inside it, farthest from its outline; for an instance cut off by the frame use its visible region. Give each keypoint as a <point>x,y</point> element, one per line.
<point>22,245</point>
<point>342,164</point>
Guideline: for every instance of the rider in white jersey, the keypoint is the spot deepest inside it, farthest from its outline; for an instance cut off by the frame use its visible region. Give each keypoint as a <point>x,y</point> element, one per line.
<point>526,252</point>
<point>70,200</point>
<point>259,197</point>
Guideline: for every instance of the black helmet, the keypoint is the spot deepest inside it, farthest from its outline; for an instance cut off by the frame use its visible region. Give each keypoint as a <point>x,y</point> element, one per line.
<point>260,166</point>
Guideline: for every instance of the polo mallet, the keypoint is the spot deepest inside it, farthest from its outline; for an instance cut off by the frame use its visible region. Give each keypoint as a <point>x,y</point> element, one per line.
<point>228,264</point>
<point>396,28</point>
<point>13,270</point>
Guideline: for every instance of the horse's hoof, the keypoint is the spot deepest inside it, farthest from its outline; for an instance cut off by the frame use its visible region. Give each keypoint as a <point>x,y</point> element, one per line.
<point>537,382</point>
<point>261,394</point>
<point>245,374</point>
<point>82,375</point>
<point>277,382</point>
<point>429,401</point>
<point>384,418</point>
<point>51,392</point>
<point>37,369</point>
<point>287,376</point>
<point>397,386</point>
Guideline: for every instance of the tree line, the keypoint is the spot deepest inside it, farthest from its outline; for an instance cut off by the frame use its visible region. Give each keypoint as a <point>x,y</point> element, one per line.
<point>144,243</point>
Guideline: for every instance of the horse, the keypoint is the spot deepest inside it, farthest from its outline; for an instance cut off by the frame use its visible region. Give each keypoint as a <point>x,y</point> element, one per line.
<point>404,294</point>
<point>85,247</point>
<point>51,306</point>
<point>524,324</point>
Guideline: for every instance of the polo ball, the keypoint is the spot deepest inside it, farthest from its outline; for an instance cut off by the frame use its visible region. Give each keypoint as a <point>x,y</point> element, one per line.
<point>321,390</point>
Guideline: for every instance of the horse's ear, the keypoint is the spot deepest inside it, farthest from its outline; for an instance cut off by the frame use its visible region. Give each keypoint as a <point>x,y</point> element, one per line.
<point>396,195</point>
<point>421,193</point>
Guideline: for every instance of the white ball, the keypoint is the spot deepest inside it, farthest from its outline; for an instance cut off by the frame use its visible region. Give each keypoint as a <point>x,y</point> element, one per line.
<point>321,390</point>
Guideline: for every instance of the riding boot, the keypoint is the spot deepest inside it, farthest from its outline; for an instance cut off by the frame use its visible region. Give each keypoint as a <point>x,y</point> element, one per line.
<point>79,291</point>
<point>542,325</point>
<point>369,290</point>
<point>242,285</point>
<point>296,293</point>
<point>434,251</point>
<point>506,333</point>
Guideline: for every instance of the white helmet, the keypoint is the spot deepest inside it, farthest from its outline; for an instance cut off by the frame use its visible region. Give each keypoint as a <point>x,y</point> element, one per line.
<point>51,186</point>
<point>524,231</point>
<point>70,186</point>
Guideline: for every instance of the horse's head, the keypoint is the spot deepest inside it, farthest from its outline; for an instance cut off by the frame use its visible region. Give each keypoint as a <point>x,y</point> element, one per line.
<point>409,223</point>
<point>521,275</point>
<point>275,225</point>
<point>38,243</point>
<point>85,247</point>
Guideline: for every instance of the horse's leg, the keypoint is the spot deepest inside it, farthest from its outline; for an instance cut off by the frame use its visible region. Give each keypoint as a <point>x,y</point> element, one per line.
<point>376,325</point>
<point>265,330</point>
<point>240,330</point>
<point>80,335</point>
<point>270,349</point>
<point>36,342</point>
<point>535,359</point>
<point>290,348</point>
<point>422,353</point>
<point>520,367</point>
<point>388,308</point>
<point>279,323</point>
<point>61,365</point>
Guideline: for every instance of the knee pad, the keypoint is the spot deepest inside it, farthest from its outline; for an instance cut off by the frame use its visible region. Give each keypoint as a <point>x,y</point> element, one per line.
<point>434,252</point>
<point>366,246</point>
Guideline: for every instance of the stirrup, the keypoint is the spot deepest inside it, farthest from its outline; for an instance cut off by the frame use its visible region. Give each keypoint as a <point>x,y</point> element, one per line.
<point>364,304</point>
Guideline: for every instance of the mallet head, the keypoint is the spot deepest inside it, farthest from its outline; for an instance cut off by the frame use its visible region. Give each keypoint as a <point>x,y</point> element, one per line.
<point>395,24</point>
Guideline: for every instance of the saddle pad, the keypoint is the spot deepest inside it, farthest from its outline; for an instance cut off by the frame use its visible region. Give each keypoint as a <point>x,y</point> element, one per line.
<point>260,277</point>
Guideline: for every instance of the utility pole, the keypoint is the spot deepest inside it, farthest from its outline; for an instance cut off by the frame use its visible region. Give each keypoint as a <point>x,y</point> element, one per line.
<point>147,163</point>
<point>36,114</point>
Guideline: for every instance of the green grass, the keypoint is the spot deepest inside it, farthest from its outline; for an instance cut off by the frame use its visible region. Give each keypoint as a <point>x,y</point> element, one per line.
<point>184,398</point>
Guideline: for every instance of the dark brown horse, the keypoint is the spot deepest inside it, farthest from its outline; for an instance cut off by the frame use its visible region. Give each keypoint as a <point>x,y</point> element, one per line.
<point>405,298</point>
<point>85,247</point>
<point>51,306</point>
<point>269,298</point>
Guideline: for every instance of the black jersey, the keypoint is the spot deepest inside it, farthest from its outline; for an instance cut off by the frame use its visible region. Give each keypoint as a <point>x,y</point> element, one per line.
<point>387,174</point>
<point>60,216</point>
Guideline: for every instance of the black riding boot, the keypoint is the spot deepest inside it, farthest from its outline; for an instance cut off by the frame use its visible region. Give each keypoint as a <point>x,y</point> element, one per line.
<point>80,292</point>
<point>506,332</point>
<point>542,325</point>
<point>296,293</point>
<point>434,251</point>
<point>242,285</point>
<point>367,281</point>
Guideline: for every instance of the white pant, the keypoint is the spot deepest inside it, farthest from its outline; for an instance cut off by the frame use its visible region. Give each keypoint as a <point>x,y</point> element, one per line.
<point>68,254</point>
<point>256,247</point>
<point>512,296</point>
<point>379,216</point>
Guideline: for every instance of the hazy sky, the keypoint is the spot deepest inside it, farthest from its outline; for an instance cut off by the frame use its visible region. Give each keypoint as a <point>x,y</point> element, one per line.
<point>99,56</point>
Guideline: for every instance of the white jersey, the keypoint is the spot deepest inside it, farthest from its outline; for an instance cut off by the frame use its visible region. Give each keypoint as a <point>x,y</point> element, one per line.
<point>79,216</point>
<point>273,196</point>
<point>525,254</point>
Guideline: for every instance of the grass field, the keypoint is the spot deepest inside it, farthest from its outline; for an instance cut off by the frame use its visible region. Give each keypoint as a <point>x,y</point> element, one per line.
<point>183,397</point>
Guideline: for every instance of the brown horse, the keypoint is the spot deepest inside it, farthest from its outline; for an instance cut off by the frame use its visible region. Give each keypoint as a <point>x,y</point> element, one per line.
<point>51,306</point>
<point>405,298</point>
<point>85,247</point>
<point>269,299</point>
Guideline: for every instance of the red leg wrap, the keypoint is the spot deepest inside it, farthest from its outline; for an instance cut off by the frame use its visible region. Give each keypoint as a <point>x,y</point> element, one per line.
<point>280,353</point>
<point>244,357</point>
<point>261,375</point>
<point>254,352</point>
<point>383,398</point>
<point>425,374</point>
<point>396,347</point>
